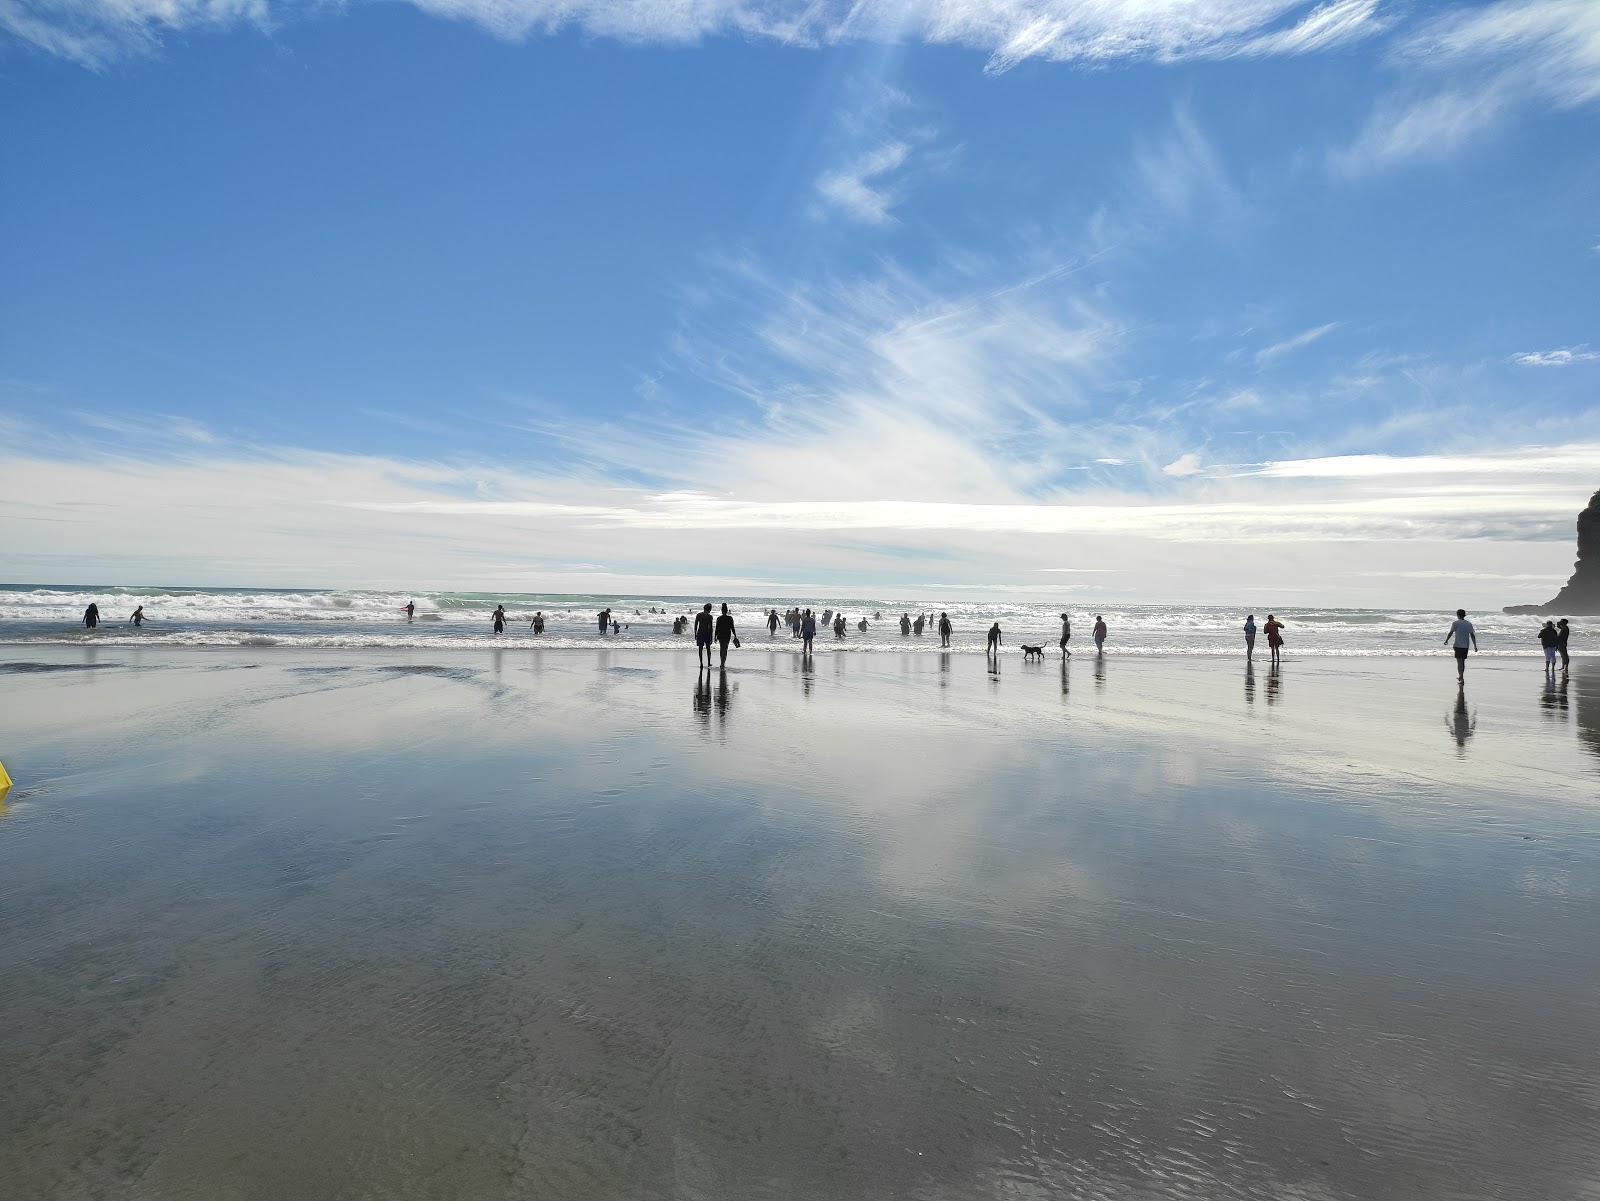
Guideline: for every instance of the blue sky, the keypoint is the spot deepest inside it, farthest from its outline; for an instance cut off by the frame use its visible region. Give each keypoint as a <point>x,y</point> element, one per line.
<point>1199,299</point>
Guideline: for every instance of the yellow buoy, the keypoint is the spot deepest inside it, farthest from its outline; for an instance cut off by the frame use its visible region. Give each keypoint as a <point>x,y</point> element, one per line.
<point>5,780</point>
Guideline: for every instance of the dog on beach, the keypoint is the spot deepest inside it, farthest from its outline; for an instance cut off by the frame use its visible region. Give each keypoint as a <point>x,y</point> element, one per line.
<point>1029,652</point>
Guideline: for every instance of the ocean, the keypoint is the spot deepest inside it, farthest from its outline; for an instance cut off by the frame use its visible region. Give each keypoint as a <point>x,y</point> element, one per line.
<point>357,620</point>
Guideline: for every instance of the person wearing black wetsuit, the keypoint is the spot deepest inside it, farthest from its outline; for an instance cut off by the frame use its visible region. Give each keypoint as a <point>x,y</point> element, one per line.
<point>91,616</point>
<point>944,629</point>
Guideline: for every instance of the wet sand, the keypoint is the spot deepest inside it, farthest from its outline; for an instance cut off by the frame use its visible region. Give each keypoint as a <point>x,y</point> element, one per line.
<point>572,925</point>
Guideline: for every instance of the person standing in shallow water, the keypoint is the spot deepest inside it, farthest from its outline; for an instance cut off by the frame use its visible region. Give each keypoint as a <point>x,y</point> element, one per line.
<point>1563,632</point>
<point>1100,633</point>
<point>702,636</point>
<point>772,624</point>
<point>945,629</point>
<point>138,616</point>
<point>993,647</point>
<point>1548,637</point>
<point>499,619</point>
<point>808,631</point>
<point>91,616</point>
<point>1461,634</point>
<point>1250,636</point>
<point>905,625</point>
<point>1066,633</point>
<point>725,634</point>
<point>1274,629</point>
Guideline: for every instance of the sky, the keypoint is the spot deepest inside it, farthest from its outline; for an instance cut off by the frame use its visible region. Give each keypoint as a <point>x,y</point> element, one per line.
<point>1214,301</point>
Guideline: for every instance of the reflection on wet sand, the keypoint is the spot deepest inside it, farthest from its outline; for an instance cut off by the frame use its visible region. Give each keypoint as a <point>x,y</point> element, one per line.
<point>1587,686</point>
<point>274,946</point>
<point>1461,722</point>
<point>1553,698</point>
<point>1249,682</point>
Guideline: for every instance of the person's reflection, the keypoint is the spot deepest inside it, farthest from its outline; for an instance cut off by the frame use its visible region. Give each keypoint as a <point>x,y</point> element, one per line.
<point>1249,682</point>
<point>994,669</point>
<point>1099,672</point>
<point>1065,685</point>
<point>702,698</point>
<point>808,675</point>
<point>1461,723</point>
<point>944,669</point>
<point>1553,700</point>
<point>1588,708</point>
<point>723,696</point>
<point>1274,683</point>
<point>496,662</point>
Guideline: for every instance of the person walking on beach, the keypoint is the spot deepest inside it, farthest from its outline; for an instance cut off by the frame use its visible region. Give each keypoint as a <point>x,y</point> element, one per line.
<point>1274,629</point>
<point>1066,633</point>
<point>993,647</point>
<point>138,616</point>
<point>1461,634</point>
<point>808,631</point>
<point>91,616</point>
<point>702,636</point>
<point>499,619</point>
<point>1250,636</point>
<point>1548,637</point>
<point>1100,632</point>
<point>945,629</point>
<point>1563,632</point>
<point>725,634</point>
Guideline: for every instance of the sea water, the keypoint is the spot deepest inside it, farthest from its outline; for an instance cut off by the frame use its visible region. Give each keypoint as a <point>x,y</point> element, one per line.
<point>360,619</point>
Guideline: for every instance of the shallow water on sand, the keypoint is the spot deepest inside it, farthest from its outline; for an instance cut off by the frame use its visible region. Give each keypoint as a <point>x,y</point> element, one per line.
<point>568,925</point>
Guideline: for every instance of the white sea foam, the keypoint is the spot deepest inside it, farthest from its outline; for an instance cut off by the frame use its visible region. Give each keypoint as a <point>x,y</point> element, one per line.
<point>356,620</point>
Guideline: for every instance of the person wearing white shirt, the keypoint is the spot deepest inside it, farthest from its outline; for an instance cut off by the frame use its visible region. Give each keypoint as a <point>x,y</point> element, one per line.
<point>1462,635</point>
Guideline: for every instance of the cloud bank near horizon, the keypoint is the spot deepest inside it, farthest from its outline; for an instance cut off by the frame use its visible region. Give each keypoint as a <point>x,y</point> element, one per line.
<point>1386,530</point>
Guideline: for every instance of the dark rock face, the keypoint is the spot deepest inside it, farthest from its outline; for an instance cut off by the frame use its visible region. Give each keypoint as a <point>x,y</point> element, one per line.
<point>1582,593</point>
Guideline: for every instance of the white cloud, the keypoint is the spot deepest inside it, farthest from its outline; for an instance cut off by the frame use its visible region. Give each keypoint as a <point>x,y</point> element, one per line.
<point>1490,62</point>
<point>1183,465</point>
<point>1279,349</point>
<point>1556,358</point>
<point>95,32</point>
<point>853,189</point>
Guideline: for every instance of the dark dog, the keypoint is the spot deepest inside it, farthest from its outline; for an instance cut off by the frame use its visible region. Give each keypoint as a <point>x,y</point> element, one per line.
<point>1029,652</point>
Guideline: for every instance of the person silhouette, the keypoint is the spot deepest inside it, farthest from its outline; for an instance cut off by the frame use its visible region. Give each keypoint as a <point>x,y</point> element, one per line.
<point>1274,629</point>
<point>772,624</point>
<point>91,616</point>
<point>905,625</point>
<point>499,619</point>
<point>1066,633</point>
<point>1250,636</point>
<point>993,647</point>
<point>702,635</point>
<point>138,616</point>
<point>411,609</point>
<point>1548,637</point>
<point>808,631</point>
<point>1100,632</point>
<point>945,629</point>
<point>917,625</point>
<point>725,634</point>
<point>1563,632</point>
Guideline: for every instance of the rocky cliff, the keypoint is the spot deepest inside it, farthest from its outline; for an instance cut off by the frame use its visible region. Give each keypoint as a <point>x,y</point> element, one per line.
<point>1582,593</point>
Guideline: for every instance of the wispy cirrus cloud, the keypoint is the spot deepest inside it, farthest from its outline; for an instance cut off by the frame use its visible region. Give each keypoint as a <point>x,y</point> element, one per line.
<point>95,32</point>
<point>1288,345</point>
<point>1473,69</point>
<point>860,189</point>
<point>1564,357</point>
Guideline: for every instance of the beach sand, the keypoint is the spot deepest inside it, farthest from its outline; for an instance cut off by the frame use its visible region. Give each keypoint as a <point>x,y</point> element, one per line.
<point>568,925</point>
